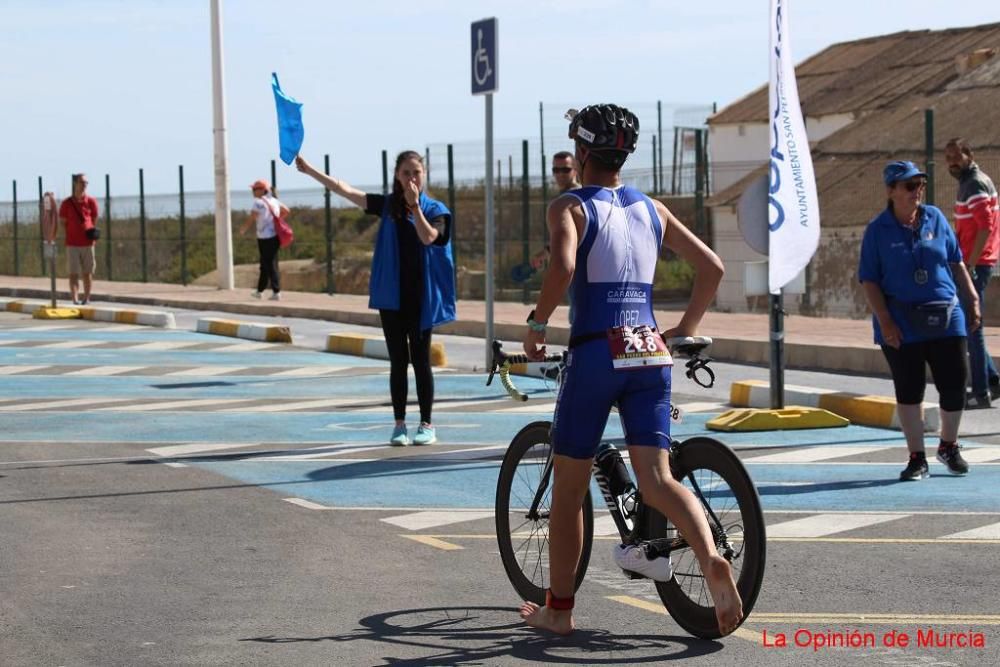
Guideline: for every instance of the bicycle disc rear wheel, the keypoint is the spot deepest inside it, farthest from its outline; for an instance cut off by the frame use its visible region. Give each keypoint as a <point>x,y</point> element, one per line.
<point>724,485</point>
<point>524,542</point>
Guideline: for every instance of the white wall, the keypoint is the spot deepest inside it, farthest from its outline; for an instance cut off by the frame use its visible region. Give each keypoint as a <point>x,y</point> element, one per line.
<point>737,149</point>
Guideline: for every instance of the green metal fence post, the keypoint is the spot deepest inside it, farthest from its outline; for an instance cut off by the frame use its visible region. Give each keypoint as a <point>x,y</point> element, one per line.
<point>929,149</point>
<point>659,139</point>
<point>107,224</point>
<point>699,184</point>
<point>41,237</point>
<point>451,206</point>
<point>385,172</point>
<point>525,215</point>
<point>183,221</point>
<point>17,267</point>
<point>656,189</point>
<point>329,228</point>
<point>673,166</point>
<point>142,226</point>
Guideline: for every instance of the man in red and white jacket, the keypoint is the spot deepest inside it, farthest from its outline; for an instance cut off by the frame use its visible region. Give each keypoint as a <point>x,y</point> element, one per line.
<point>977,224</point>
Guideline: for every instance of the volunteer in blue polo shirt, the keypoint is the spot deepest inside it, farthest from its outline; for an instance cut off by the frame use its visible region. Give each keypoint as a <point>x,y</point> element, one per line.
<point>910,264</point>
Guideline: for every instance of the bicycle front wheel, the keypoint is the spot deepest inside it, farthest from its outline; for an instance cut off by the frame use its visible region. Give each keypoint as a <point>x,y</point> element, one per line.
<point>524,539</point>
<point>718,479</point>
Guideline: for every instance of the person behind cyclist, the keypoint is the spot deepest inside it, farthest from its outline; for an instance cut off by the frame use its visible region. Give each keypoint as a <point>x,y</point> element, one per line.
<point>605,239</point>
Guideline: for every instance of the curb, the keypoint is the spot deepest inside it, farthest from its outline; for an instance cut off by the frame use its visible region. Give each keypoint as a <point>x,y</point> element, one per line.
<point>149,318</point>
<point>18,306</point>
<point>265,333</point>
<point>862,409</point>
<point>365,345</point>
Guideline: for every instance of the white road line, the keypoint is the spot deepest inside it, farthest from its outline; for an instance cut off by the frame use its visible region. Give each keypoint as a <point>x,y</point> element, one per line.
<point>17,370</point>
<point>811,454</point>
<point>308,371</point>
<point>207,371</point>
<point>433,519</point>
<point>173,451</point>
<point>174,464</point>
<point>485,403</point>
<point>244,347</point>
<point>314,456</point>
<point>702,406</point>
<point>827,524</point>
<point>309,505</point>
<point>279,406</point>
<point>980,454</point>
<point>990,532</point>
<point>71,344</point>
<point>104,370</point>
<point>605,525</point>
<point>163,345</point>
<point>529,406</point>
<point>63,403</point>
<point>175,405</point>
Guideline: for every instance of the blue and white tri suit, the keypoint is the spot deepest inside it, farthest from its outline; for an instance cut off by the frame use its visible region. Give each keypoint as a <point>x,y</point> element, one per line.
<point>612,287</point>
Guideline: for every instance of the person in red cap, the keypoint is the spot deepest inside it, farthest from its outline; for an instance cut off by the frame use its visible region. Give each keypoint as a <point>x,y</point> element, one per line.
<point>266,208</point>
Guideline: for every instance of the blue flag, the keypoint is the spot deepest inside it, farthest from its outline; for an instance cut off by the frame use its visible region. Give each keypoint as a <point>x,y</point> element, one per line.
<point>290,130</point>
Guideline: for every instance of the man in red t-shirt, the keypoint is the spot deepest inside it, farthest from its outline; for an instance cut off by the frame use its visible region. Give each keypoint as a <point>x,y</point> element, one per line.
<point>977,224</point>
<point>79,216</point>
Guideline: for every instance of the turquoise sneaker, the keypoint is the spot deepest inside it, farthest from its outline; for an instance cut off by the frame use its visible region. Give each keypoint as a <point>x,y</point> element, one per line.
<point>425,435</point>
<point>399,438</point>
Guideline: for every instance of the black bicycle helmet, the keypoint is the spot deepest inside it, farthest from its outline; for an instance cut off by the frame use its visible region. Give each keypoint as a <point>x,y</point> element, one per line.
<point>610,132</point>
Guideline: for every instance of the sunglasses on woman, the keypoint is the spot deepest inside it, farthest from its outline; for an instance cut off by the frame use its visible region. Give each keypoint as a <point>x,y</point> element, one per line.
<point>912,186</point>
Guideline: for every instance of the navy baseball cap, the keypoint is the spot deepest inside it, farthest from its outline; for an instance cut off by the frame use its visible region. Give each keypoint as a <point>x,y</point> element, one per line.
<point>900,170</point>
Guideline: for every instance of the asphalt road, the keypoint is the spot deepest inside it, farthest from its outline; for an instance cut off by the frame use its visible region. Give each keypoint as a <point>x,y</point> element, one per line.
<point>176,498</point>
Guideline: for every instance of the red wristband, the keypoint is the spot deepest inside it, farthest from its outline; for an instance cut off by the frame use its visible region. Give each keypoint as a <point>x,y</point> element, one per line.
<point>560,604</point>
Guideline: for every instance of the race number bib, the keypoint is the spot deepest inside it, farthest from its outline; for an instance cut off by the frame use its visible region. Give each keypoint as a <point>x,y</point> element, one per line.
<point>637,347</point>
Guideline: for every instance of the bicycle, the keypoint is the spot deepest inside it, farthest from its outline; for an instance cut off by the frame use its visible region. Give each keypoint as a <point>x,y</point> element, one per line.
<point>710,469</point>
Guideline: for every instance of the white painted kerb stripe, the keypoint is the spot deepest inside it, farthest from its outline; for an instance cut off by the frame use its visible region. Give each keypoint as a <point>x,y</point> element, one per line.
<point>811,454</point>
<point>432,519</point>
<point>990,532</point>
<point>827,524</point>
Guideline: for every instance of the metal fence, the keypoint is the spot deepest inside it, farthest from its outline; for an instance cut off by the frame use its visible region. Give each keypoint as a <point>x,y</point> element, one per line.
<point>171,237</point>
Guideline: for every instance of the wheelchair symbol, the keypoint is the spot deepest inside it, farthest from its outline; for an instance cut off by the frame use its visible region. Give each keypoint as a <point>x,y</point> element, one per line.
<point>481,59</point>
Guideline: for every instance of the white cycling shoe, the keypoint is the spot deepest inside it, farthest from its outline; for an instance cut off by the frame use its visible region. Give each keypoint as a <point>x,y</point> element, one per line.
<point>633,558</point>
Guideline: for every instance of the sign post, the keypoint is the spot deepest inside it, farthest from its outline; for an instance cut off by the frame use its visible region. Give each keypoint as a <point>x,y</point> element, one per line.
<point>50,223</point>
<point>485,82</point>
<point>793,208</point>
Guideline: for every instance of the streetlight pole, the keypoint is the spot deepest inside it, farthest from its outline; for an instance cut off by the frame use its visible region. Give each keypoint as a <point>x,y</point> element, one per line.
<point>223,214</point>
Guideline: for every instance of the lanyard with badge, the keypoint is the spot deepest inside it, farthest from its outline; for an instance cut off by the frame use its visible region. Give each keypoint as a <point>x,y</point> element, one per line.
<point>920,274</point>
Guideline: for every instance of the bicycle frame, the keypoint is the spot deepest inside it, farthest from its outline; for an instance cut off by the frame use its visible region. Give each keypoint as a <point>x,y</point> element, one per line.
<point>629,534</point>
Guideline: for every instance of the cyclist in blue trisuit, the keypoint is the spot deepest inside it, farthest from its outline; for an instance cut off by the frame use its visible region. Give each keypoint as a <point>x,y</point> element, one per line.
<point>605,241</point>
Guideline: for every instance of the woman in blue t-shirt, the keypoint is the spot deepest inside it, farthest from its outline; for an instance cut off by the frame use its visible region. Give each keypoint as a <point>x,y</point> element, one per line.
<point>911,270</point>
<point>412,281</point>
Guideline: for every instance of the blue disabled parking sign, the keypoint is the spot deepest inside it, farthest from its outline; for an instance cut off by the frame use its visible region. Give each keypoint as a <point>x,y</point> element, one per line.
<point>484,57</point>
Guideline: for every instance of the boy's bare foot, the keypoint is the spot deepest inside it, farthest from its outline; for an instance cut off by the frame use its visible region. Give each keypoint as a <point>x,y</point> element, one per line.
<point>544,618</point>
<point>728,605</point>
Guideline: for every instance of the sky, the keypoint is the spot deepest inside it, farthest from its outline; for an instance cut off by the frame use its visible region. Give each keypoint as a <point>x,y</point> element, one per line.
<point>109,86</point>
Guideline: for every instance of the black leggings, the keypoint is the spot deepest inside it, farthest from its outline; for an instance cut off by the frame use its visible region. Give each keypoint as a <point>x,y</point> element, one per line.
<point>268,264</point>
<point>945,356</point>
<point>408,344</point>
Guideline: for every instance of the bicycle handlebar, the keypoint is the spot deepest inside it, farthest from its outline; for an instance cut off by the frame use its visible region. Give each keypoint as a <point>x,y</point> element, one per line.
<point>690,347</point>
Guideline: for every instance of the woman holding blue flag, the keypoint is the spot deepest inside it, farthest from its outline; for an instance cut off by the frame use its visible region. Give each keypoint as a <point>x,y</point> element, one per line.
<point>412,281</point>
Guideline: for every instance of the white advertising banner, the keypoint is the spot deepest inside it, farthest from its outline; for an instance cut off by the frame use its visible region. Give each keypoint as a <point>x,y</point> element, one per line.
<point>793,207</point>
